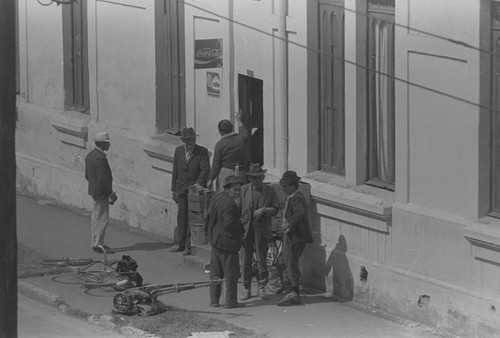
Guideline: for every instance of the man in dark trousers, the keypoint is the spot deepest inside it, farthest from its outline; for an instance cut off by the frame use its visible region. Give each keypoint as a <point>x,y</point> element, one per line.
<point>260,203</point>
<point>98,174</point>
<point>191,167</point>
<point>297,235</point>
<point>225,228</point>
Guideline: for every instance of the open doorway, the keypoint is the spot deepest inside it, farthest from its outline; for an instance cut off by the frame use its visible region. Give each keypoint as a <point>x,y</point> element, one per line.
<point>251,109</point>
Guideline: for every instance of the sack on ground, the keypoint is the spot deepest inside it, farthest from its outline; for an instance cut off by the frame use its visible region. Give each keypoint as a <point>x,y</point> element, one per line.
<point>127,266</point>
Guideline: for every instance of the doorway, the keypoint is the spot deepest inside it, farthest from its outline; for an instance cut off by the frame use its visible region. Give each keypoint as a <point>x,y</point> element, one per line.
<point>250,92</point>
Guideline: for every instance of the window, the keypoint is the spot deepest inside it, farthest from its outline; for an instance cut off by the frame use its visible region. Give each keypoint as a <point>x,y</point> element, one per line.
<point>76,73</point>
<point>170,80</point>
<point>332,87</point>
<point>495,98</point>
<point>380,91</point>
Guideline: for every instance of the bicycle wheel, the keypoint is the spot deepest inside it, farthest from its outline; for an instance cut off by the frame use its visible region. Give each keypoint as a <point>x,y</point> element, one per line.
<point>66,278</point>
<point>274,252</point>
<point>63,262</point>
<point>92,279</point>
<point>122,303</point>
<point>275,265</point>
<point>256,265</point>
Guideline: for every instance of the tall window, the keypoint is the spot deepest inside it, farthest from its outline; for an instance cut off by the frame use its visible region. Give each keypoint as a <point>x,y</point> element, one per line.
<point>332,86</point>
<point>170,68</point>
<point>380,83</point>
<point>495,84</point>
<point>75,46</point>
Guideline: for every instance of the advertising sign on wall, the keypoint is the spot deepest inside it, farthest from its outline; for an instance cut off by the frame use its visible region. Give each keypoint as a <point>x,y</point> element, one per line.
<point>213,84</point>
<point>208,53</point>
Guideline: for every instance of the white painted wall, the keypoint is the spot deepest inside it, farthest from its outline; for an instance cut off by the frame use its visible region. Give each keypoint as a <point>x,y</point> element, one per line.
<point>437,135</point>
<point>125,66</point>
<point>44,63</point>
<point>203,111</point>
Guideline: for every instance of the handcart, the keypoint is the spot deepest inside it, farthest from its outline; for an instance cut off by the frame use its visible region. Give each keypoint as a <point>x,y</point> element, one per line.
<point>143,300</point>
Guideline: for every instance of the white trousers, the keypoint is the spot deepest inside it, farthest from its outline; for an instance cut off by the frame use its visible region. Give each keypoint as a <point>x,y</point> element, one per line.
<point>99,221</point>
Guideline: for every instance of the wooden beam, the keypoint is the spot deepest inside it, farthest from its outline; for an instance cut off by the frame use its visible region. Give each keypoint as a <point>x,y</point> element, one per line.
<point>8,237</point>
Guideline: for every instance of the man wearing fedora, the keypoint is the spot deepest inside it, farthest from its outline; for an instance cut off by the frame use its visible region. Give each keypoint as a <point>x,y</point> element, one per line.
<point>191,167</point>
<point>225,228</point>
<point>100,187</point>
<point>260,203</point>
<point>297,235</point>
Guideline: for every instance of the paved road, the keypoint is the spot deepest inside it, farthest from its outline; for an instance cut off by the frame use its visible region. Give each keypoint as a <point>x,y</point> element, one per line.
<point>58,232</point>
<point>41,321</point>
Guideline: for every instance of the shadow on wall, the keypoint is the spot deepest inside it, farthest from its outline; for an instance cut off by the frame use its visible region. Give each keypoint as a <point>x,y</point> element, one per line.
<point>338,265</point>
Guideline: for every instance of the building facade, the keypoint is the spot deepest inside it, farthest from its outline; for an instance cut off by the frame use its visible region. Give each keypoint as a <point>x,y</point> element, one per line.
<point>387,109</point>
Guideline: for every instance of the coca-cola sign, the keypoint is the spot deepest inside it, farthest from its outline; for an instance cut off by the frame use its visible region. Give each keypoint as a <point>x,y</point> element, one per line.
<point>208,53</point>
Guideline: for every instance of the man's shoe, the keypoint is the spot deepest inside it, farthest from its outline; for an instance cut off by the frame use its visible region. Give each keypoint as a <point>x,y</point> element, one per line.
<point>245,294</point>
<point>289,299</point>
<point>262,293</point>
<point>107,249</point>
<point>177,249</point>
<point>234,305</point>
<point>186,252</point>
<point>296,299</point>
<point>280,290</point>
<point>97,249</point>
<point>214,304</point>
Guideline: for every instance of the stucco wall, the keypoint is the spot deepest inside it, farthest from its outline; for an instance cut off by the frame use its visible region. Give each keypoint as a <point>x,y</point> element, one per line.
<point>43,76</point>
<point>203,111</point>
<point>438,144</point>
<point>125,66</point>
<point>413,242</point>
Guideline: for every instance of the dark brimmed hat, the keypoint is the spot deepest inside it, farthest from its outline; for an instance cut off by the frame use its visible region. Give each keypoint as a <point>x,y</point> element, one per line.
<point>289,177</point>
<point>256,170</point>
<point>231,180</point>
<point>188,133</point>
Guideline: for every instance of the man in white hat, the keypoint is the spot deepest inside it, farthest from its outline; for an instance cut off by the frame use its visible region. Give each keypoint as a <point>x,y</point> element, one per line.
<point>98,174</point>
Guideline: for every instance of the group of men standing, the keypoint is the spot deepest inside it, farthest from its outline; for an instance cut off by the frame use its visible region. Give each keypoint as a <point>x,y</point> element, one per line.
<point>239,217</point>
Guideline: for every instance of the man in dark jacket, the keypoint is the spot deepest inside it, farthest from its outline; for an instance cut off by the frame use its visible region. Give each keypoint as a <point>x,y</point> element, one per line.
<point>191,167</point>
<point>297,235</point>
<point>226,231</point>
<point>98,174</point>
<point>260,202</point>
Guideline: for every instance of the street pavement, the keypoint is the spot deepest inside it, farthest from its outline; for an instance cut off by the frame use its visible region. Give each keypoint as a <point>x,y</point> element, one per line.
<point>57,231</point>
<point>37,320</point>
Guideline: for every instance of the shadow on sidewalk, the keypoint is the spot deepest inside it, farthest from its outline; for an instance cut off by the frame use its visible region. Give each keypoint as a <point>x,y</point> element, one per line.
<point>143,247</point>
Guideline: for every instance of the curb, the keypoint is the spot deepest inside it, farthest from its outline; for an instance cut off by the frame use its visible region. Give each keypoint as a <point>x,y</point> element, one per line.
<point>53,300</point>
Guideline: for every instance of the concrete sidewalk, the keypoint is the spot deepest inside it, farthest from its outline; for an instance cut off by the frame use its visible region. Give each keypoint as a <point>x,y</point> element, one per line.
<point>57,232</point>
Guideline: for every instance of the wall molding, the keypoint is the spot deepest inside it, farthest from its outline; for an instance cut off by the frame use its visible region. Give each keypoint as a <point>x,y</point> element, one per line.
<point>72,127</point>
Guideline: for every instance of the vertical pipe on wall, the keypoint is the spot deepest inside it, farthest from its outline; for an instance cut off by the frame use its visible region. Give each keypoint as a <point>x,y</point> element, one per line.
<point>283,111</point>
<point>232,77</point>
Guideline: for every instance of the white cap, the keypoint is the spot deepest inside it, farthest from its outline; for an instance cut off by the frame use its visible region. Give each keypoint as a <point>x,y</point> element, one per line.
<point>103,136</point>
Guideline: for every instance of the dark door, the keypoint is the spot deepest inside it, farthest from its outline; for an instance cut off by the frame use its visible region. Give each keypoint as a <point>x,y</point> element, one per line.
<point>251,109</point>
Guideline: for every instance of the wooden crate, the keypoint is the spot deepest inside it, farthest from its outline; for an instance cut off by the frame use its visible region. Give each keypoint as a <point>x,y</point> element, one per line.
<point>198,201</point>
